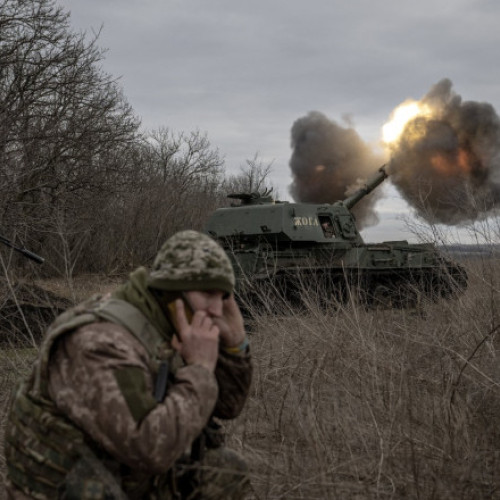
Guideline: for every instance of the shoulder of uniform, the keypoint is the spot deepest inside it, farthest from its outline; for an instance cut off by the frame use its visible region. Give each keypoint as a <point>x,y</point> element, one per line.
<point>102,333</point>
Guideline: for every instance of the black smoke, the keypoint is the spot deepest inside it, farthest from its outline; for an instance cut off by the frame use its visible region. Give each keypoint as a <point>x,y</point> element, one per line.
<point>329,162</point>
<point>446,163</point>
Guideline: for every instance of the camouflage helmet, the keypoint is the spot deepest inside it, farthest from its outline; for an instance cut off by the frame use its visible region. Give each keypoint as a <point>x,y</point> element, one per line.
<point>190,260</point>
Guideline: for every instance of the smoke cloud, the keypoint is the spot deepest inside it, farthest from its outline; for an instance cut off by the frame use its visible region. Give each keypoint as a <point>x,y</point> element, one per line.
<point>329,162</point>
<point>446,162</point>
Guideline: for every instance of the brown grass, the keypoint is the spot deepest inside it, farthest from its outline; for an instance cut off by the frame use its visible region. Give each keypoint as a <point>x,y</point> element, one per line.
<point>81,287</point>
<point>354,404</point>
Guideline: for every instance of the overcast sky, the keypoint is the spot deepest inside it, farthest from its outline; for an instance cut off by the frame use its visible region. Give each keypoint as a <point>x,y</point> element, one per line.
<point>243,72</point>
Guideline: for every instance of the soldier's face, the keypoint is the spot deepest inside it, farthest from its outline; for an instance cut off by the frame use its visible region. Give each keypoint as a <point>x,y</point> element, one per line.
<point>212,301</point>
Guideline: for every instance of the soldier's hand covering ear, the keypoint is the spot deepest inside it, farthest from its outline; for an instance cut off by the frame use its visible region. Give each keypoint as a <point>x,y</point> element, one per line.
<point>198,341</point>
<point>231,326</point>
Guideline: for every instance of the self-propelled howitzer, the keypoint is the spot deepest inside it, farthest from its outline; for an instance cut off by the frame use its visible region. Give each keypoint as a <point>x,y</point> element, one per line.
<point>290,247</point>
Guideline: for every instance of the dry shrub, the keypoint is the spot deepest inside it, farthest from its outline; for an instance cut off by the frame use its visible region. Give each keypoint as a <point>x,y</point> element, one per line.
<point>27,307</point>
<point>26,310</point>
<point>356,403</point>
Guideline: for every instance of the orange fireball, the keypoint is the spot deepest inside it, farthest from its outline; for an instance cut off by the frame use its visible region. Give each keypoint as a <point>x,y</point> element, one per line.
<point>459,164</point>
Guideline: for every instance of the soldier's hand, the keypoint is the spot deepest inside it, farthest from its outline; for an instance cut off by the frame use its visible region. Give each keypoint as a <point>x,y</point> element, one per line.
<point>231,326</point>
<point>198,341</point>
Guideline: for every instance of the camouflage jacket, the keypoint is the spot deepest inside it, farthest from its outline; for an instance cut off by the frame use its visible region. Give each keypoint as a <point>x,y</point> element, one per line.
<point>101,378</point>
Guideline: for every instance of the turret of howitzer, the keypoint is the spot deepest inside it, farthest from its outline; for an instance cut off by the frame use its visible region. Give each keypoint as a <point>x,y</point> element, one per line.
<point>372,183</point>
<point>258,217</point>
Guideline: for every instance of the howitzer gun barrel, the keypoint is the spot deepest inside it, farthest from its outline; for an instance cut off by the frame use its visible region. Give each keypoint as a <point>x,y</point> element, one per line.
<point>24,251</point>
<point>377,179</point>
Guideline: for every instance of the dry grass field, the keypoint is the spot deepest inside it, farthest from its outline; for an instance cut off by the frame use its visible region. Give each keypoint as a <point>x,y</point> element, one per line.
<point>355,404</point>
<point>351,403</point>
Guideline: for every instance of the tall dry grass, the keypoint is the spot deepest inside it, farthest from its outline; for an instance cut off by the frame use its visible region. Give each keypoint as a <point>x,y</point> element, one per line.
<point>351,403</point>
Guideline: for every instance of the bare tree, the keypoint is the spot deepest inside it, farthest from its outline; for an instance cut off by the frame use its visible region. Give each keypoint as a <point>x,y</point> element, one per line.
<point>254,176</point>
<point>175,184</point>
<point>65,128</point>
<point>182,158</point>
<point>79,182</point>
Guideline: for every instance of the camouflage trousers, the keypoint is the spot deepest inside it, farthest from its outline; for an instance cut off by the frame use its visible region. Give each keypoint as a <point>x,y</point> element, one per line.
<point>222,474</point>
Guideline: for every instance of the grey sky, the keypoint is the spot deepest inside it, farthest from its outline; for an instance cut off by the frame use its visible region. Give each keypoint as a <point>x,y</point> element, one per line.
<point>245,71</point>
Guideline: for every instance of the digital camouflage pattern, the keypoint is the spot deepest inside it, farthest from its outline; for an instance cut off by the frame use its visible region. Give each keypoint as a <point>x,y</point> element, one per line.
<point>147,437</point>
<point>83,384</point>
<point>190,260</point>
<point>87,425</point>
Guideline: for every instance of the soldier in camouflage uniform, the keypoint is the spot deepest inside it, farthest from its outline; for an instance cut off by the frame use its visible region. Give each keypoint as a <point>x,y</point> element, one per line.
<point>122,399</point>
